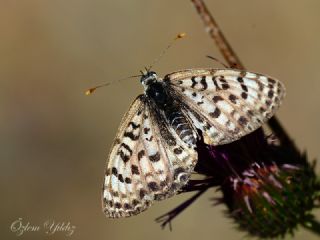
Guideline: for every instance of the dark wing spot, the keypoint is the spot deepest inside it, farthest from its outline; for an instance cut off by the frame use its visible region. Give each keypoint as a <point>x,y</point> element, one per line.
<point>240,79</point>
<point>146,130</point>
<point>244,87</point>
<point>126,147</point>
<point>242,121</point>
<point>135,202</point>
<point>117,205</point>
<point>131,136</point>
<point>148,203</point>
<point>270,94</point>
<point>142,193</point>
<point>233,98</point>
<point>279,85</point>
<point>222,79</point>
<point>225,86</point>
<point>177,150</point>
<point>153,186</point>
<point>139,112</point>
<point>163,184</point>
<point>204,83</point>
<point>114,171</point>
<point>127,180</point>
<point>236,130</point>
<point>110,203</point>
<point>259,96</point>
<point>272,81</point>
<point>133,125</point>
<point>215,83</point>
<point>123,196</point>
<point>250,112</point>
<point>127,206</point>
<point>194,94</point>
<point>149,139</point>
<point>120,177</point>
<point>268,102</point>
<point>262,110</point>
<point>244,95</point>
<point>141,154</point>
<point>278,91</point>
<point>135,169</point>
<point>216,99</point>
<point>123,156</point>
<point>261,86</point>
<point>155,157</point>
<point>216,113</point>
<point>194,82</point>
<point>115,194</point>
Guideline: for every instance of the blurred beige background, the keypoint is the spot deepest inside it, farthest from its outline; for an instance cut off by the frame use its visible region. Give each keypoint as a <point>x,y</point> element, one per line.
<point>54,140</point>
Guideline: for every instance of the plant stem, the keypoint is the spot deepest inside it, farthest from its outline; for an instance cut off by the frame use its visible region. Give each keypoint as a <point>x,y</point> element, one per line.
<point>216,34</point>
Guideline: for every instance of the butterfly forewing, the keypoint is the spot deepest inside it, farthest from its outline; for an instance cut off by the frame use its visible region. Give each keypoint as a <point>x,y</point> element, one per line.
<point>226,104</point>
<point>146,163</point>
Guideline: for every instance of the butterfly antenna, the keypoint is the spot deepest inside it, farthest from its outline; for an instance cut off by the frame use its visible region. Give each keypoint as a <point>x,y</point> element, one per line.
<point>218,61</point>
<point>179,36</point>
<point>91,90</point>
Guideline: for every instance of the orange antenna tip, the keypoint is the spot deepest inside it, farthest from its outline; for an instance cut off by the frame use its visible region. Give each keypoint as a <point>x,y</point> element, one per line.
<point>180,35</point>
<point>90,90</point>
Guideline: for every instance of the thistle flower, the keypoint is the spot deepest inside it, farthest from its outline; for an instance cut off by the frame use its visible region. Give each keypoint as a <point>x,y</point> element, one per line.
<point>272,196</point>
<point>268,188</point>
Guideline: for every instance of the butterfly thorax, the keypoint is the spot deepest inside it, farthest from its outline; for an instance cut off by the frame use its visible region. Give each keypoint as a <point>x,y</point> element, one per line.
<point>158,92</point>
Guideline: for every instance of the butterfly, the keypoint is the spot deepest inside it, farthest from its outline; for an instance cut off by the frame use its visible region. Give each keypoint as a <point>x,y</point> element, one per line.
<point>154,152</point>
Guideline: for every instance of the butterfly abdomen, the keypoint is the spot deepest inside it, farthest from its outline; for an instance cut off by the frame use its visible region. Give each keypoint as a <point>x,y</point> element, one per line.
<point>181,126</point>
<point>158,92</point>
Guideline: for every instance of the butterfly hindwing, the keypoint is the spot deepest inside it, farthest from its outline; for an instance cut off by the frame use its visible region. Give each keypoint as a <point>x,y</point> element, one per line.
<point>226,104</point>
<point>147,162</point>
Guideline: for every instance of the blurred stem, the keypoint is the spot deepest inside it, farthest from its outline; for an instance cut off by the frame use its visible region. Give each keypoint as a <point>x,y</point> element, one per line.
<point>216,34</point>
<point>313,226</point>
<point>167,218</point>
<point>233,60</point>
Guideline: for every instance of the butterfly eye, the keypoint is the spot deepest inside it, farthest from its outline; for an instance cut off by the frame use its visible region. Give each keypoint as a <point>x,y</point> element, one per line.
<point>153,74</point>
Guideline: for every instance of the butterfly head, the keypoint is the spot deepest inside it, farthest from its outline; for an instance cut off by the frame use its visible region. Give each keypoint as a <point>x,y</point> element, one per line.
<point>148,77</point>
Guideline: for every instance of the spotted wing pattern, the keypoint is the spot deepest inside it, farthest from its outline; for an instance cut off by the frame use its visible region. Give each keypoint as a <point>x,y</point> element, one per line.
<point>147,162</point>
<point>226,104</point>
